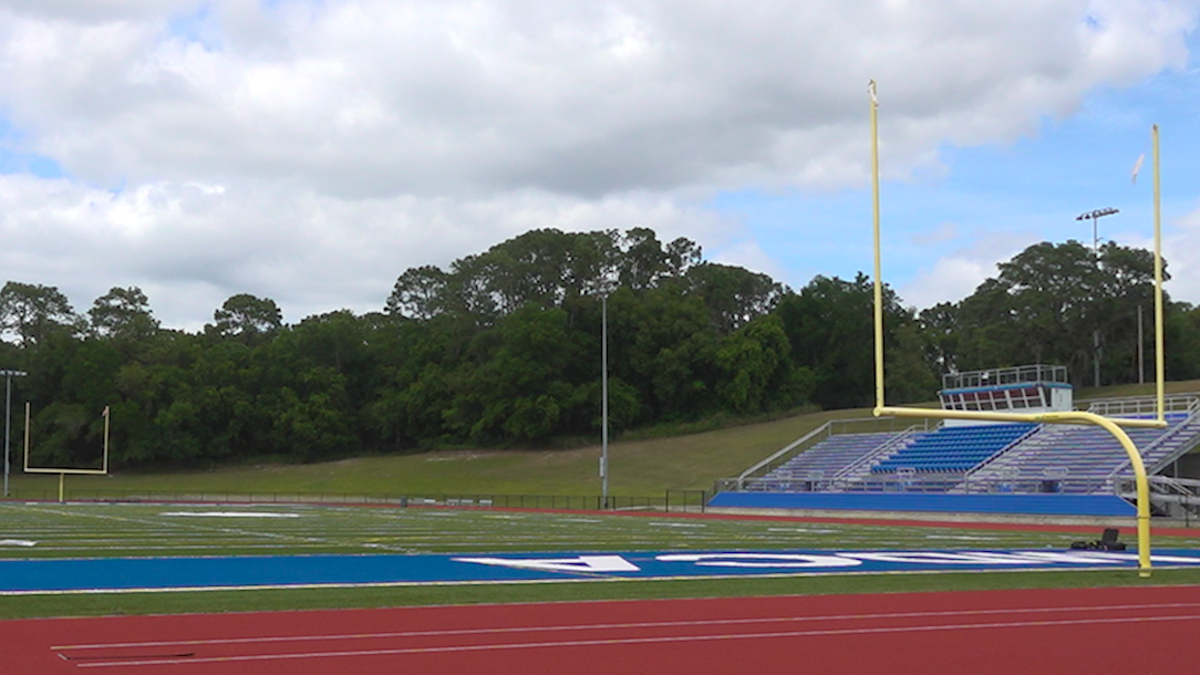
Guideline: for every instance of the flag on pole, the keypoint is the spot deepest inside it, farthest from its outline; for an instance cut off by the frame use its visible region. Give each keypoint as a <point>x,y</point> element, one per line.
<point>105,413</point>
<point>871,91</point>
<point>1138,166</point>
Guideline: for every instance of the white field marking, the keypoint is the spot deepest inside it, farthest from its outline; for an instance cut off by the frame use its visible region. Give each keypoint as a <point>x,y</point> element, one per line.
<point>874,616</point>
<point>961,537</point>
<point>756,560</point>
<point>660,524</point>
<point>228,514</point>
<point>583,563</point>
<point>580,520</point>
<point>632,641</point>
<point>17,542</point>
<point>802,530</point>
<point>154,524</point>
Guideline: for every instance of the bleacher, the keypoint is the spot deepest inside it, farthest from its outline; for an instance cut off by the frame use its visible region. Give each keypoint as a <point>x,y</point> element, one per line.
<point>967,458</point>
<point>955,449</point>
<point>1080,459</point>
<point>823,461</point>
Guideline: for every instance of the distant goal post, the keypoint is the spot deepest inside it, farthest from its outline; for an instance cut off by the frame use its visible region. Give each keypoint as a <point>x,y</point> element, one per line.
<point>62,471</point>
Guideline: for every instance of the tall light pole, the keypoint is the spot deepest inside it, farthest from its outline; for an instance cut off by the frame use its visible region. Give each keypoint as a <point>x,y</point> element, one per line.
<point>1095,217</point>
<point>604,398</point>
<point>8,376</point>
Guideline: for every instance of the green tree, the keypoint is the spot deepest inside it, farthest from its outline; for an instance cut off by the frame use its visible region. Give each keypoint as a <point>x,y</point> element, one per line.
<point>123,314</point>
<point>734,295</point>
<point>757,369</point>
<point>1049,303</point>
<point>31,312</point>
<point>247,318</point>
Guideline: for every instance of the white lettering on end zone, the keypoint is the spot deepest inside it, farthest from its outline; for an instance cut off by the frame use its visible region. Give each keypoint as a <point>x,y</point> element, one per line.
<point>813,561</point>
<point>953,558</point>
<point>775,560</point>
<point>583,563</point>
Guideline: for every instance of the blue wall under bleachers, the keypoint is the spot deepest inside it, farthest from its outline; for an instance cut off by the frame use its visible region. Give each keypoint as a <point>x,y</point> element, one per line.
<point>1031,504</point>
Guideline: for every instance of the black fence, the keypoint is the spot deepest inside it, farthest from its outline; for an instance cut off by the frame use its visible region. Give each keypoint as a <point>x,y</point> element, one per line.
<point>670,501</point>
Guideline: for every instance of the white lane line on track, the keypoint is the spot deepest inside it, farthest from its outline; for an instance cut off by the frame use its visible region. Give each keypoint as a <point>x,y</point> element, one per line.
<point>618,626</point>
<point>634,641</point>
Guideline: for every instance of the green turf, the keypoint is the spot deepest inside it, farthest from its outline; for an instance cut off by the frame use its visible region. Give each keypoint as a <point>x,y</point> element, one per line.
<point>109,530</point>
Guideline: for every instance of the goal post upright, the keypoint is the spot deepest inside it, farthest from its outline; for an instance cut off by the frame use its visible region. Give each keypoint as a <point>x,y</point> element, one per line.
<point>1113,425</point>
<point>1158,283</point>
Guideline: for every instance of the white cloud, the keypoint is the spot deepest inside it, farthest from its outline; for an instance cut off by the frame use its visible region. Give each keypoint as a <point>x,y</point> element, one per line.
<point>955,276</point>
<point>1180,249</point>
<point>310,151</point>
<point>946,232</point>
<point>379,97</point>
<point>192,246</point>
<point>749,254</point>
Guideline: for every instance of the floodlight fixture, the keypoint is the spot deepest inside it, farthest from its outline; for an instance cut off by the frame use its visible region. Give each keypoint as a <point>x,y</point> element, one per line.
<point>1094,216</point>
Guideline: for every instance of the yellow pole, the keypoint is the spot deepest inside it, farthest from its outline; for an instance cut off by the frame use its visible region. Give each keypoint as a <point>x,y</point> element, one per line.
<point>1158,282</point>
<point>878,264</point>
<point>1071,417</point>
<point>27,436</point>
<point>62,482</point>
<point>106,416</point>
<point>1143,493</point>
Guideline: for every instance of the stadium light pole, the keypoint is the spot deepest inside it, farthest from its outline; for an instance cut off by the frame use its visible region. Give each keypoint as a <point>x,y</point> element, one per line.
<point>604,398</point>
<point>8,376</point>
<point>1095,217</point>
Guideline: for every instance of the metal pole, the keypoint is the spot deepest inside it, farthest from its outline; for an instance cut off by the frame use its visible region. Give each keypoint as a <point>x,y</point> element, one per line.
<point>7,425</point>
<point>8,376</point>
<point>1095,217</point>
<point>1096,331</point>
<point>604,398</point>
<point>1158,279</point>
<point>1141,350</point>
<point>878,265</point>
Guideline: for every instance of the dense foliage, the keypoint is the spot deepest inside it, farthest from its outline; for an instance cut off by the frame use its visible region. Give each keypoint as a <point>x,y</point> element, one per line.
<point>503,348</point>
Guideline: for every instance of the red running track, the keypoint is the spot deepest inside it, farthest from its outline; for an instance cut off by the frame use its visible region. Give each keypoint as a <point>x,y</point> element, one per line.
<point>1144,630</point>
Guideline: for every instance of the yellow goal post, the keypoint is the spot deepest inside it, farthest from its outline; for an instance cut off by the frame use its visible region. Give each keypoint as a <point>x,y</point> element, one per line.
<point>63,472</point>
<point>1112,425</point>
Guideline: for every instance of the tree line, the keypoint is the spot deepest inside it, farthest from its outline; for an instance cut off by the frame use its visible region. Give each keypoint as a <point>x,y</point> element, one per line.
<point>503,349</point>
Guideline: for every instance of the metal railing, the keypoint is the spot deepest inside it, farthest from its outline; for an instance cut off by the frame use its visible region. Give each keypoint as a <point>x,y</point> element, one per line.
<point>885,449</point>
<point>1174,497</point>
<point>858,425</point>
<point>929,483</point>
<point>670,500</point>
<point>997,376</point>
<point>1186,404</point>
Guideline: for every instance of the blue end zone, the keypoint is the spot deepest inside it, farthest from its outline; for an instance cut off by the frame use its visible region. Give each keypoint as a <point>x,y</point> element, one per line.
<point>28,577</point>
<point>1031,504</point>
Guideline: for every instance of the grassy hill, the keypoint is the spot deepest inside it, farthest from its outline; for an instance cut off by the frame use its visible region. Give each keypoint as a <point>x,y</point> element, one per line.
<point>637,467</point>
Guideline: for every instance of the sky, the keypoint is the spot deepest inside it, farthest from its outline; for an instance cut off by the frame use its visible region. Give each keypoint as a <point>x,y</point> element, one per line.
<point>310,151</point>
